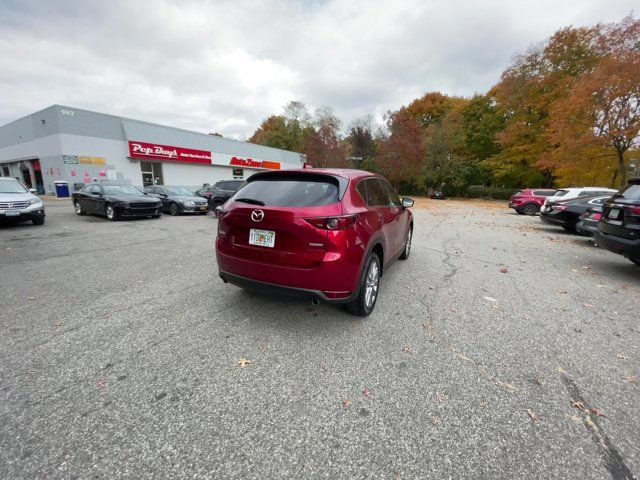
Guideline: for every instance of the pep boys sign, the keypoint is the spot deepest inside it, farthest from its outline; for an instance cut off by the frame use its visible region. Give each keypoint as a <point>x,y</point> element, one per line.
<point>166,152</point>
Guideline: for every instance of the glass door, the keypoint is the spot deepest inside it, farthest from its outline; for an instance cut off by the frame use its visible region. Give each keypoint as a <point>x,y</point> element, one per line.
<point>151,174</point>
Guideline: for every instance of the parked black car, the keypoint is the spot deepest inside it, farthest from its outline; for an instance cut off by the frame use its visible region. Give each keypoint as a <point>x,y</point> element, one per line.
<point>176,200</point>
<point>566,213</point>
<point>115,201</point>
<point>438,195</point>
<point>220,192</point>
<point>588,223</point>
<point>619,227</point>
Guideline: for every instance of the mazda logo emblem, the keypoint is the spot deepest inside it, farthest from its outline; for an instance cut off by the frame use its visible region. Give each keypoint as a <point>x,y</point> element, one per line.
<point>257,215</point>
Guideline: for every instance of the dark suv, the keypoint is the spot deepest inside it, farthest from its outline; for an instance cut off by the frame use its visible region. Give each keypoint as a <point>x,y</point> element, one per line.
<point>220,192</point>
<point>619,227</point>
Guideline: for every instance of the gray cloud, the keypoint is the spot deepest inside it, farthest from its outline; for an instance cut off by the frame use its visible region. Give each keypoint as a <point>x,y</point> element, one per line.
<point>225,65</point>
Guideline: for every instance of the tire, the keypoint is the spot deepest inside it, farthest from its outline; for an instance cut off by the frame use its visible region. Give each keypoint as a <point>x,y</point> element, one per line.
<point>365,302</point>
<point>156,216</point>
<point>111,213</point>
<point>530,209</point>
<point>78,208</point>
<point>570,228</point>
<point>636,261</point>
<point>174,209</point>
<point>407,244</point>
<point>38,220</point>
<point>215,204</point>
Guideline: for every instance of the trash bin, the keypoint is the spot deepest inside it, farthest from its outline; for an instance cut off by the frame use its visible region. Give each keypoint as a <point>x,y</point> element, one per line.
<point>62,189</point>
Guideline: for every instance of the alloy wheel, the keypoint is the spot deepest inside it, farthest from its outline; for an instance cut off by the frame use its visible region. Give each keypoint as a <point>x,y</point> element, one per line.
<point>373,279</point>
<point>407,248</point>
<point>110,212</point>
<point>78,208</point>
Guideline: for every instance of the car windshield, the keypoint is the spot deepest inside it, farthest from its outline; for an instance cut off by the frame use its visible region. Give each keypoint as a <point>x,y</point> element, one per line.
<point>289,192</point>
<point>560,193</point>
<point>11,186</point>
<point>179,191</point>
<point>121,190</point>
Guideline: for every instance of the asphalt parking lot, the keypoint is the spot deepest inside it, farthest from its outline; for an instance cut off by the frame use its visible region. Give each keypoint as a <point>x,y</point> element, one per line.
<point>119,353</point>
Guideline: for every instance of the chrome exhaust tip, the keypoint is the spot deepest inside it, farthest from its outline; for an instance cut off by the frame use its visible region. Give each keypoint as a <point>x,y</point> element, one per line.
<point>315,301</point>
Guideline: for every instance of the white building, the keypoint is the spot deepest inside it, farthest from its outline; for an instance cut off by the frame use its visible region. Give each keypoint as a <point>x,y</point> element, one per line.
<point>79,146</point>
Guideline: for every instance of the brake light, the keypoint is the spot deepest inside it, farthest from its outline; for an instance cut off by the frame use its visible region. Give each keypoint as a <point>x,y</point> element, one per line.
<point>596,216</point>
<point>633,211</point>
<point>341,222</point>
<point>560,208</point>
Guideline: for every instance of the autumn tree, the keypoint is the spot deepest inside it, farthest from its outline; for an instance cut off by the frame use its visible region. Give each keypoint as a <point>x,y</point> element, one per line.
<point>323,145</point>
<point>361,141</point>
<point>601,114</point>
<point>287,131</point>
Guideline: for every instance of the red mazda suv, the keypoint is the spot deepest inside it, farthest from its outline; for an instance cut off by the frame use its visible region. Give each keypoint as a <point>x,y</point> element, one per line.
<point>323,234</point>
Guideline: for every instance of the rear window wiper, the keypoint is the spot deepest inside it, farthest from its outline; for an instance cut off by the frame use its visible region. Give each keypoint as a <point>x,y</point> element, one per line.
<point>253,201</point>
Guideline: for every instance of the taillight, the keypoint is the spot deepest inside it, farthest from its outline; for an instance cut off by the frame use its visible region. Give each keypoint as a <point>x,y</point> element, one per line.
<point>341,222</point>
<point>633,211</point>
<point>596,216</point>
<point>560,208</point>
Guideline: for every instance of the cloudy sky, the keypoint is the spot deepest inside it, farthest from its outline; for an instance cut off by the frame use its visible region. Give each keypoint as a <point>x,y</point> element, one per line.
<point>225,65</point>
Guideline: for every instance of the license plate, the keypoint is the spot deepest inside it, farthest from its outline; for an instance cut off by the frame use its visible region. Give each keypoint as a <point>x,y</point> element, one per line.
<point>203,208</point>
<point>262,238</point>
<point>614,212</point>
<point>12,213</point>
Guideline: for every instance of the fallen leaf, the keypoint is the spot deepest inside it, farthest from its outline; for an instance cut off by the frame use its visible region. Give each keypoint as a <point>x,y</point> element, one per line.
<point>101,383</point>
<point>441,397</point>
<point>367,392</point>
<point>537,379</point>
<point>630,378</point>
<point>577,404</point>
<point>453,309</point>
<point>534,416</point>
<point>577,330</point>
<point>435,420</point>
<point>490,299</point>
<point>264,348</point>
<point>622,356</point>
<point>243,362</point>
<point>588,305</point>
<point>346,403</point>
<point>504,270</point>
<point>31,298</point>
<point>597,412</point>
<point>427,326</point>
<point>407,349</point>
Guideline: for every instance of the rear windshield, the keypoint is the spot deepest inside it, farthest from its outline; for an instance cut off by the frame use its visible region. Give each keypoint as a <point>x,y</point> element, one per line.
<point>289,192</point>
<point>632,192</point>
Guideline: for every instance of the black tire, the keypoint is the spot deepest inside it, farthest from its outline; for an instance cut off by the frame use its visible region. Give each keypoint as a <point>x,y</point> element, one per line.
<point>156,216</point>
<point>407,244</point>
<point>38,220</point>
<point>363,304</point>
<point>519,212</point>
<point>78,208</point>
<point>111,213</point>
<point>215,204</point>
<point>636,261</point>
<point>174,209</point>
<point>530,209</point>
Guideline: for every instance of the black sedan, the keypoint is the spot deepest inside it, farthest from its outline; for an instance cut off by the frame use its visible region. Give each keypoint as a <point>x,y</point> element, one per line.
<point>176,200</point>
<point>115,201</point>
<point>588,223</point>
<point>566,213</point>
<point>438,195</point>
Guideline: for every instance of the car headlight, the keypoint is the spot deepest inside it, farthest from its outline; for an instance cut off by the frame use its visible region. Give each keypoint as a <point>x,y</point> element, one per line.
<point>189,202</point>
<point>35,200</point>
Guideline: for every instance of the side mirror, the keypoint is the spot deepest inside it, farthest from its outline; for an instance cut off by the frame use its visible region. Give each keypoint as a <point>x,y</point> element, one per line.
<point>33,190</point>
<point>407,202</point>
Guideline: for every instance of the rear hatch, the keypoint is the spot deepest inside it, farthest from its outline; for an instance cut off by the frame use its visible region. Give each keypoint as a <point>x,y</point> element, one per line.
<point>268,219</point>
<point>621,213</point>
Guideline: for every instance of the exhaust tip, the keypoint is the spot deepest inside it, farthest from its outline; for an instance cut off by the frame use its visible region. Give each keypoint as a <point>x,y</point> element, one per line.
<point>315,301</point>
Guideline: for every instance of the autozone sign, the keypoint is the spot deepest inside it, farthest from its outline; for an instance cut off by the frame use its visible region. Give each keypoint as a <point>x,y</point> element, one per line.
<point>249,162</point>
<point>166,152</point>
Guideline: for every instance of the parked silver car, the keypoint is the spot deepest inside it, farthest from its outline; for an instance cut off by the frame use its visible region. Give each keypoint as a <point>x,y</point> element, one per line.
<point>18,203</point>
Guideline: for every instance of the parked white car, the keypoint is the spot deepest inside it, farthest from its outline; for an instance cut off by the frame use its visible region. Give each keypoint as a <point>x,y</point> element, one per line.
<point>18,203</point>
<point>569,193</point>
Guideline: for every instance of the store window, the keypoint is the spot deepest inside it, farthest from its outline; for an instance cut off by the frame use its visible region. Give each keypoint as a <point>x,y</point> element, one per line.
<point>151,174</point>
<point>238,173</point>
<point>5,171</point>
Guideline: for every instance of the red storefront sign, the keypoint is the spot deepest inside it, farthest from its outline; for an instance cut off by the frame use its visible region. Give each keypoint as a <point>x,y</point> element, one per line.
<point>249,162</point>
<point>166,152</point>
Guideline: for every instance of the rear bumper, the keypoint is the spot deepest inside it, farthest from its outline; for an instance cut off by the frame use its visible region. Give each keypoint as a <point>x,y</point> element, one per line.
<point>619,245</point>
<point>267,288</point>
